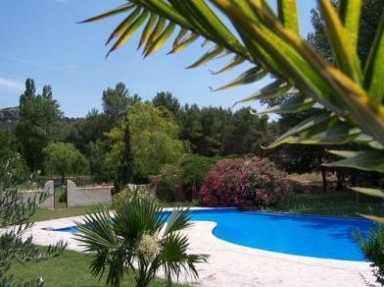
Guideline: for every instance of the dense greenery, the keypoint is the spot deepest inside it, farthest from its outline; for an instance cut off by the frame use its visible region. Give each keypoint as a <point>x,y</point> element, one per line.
<point>372,246</point>
<point>39,124</point>
<point>64,159</point>
<point>14,215</point>
<point>130,140</point>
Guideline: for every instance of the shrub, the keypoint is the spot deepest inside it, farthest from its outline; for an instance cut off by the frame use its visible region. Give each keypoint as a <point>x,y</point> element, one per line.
<point>129,194</point>
<point>253,183</point>
<point>195,168</point>
<point>168,183</point>
<point>372,246</point>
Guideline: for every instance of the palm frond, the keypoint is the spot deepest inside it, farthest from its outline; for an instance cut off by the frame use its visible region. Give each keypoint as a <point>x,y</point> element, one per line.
<point>375,66</point>
<point>178,220</point>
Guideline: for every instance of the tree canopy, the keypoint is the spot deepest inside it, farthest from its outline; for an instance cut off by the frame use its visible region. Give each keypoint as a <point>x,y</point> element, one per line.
<point>39,123</point>
<point>154,139</point>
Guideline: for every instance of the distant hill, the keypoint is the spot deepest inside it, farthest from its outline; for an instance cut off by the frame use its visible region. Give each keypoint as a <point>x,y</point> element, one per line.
<point>9,117</point>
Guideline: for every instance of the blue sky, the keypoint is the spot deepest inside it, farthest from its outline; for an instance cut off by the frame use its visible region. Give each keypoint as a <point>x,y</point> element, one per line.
<point>41,40</point>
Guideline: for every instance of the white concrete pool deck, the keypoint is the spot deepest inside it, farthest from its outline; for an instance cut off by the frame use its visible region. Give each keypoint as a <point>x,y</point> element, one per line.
<point>233,265</point>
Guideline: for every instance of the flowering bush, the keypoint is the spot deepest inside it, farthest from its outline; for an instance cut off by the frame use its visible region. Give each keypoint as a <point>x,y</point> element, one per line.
<point>253,183</point>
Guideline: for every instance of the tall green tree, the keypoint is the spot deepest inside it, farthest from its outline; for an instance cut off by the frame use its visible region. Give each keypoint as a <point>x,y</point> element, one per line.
<point>115,102</point>
<point>250,133</point>
<point>167,101</point>
<point>154,140</point>
<point>191,129</point>
<point>88,136</point>
<point>86,130</point>
<point>125,169</point>
<point>39,124</point>
<point>64,159</point>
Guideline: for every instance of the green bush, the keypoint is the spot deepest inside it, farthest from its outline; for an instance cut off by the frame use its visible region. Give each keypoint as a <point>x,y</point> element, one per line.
<point>195,168</point>
<point>372,246</point>
<point>168,183</point>
<point>128,194</point>
<point>253,183</point>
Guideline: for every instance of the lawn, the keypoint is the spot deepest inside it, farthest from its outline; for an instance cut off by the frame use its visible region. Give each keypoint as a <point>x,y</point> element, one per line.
<point>47,214</point>
<point>67,270</point>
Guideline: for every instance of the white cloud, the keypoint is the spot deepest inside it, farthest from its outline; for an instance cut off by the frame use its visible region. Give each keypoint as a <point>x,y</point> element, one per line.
<point>11,85</point>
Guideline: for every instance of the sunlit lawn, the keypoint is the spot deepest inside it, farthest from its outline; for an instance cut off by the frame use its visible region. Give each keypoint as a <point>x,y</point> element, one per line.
<point>47,214</point>
<point>67,270</point>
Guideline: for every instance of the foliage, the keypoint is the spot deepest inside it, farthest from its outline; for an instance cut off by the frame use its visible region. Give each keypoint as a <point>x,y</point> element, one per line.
<point>14,215</point>
<point>19,168</point>
<point>130,193</point>
<point>216,131</point>
<point>246,183</point>
<point>125,169</point>
<point>168,183</point>
<point>154,140</point>
<point>8,145</point>
<point>64,159</point>
<point>372,246</point>
<point>194,168</point>
<point>168,102</point>
<point>86,131</point>
<point>115,101</point>
<point>182,182</point>
<point>39,124</point>
<point>350,98</point>
<point>137,233</point>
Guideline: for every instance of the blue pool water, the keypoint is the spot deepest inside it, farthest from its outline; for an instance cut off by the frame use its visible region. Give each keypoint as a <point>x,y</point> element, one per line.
<point>314,236</point>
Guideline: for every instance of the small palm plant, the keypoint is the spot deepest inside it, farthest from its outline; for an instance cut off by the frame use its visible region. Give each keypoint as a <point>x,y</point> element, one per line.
<point>138,239</point>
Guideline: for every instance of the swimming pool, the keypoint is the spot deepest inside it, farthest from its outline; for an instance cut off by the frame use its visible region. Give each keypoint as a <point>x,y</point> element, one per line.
<point>303,235</point>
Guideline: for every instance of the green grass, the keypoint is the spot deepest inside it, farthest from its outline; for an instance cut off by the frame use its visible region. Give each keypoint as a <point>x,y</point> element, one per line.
<point>47,214</point>
<point>60,197</point>
<point>67,270</point>
<point>344,203</point>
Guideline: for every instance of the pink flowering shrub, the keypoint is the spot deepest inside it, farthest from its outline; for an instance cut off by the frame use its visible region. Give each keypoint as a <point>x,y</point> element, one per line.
<point>253,183</point>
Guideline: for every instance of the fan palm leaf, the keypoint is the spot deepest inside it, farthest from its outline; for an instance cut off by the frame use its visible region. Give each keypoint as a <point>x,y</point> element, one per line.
<point>138,238</point>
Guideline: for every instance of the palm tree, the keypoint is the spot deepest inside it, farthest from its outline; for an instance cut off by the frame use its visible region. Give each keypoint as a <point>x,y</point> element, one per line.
<point>350,98</point>
<point>138,238</point>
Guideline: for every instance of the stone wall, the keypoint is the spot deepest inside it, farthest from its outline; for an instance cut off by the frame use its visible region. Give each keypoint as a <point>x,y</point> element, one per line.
<point>49,202</point>
<point>87,196</point>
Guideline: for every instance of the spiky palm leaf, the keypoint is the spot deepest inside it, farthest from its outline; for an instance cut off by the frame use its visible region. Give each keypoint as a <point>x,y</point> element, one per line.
<point>350,97</point>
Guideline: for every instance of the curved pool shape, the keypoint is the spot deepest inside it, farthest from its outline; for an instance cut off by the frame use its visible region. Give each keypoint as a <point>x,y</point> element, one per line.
<point>303,235</point>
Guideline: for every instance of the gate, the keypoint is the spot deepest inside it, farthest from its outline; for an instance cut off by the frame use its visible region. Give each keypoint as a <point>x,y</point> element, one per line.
<point>60,192</point>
